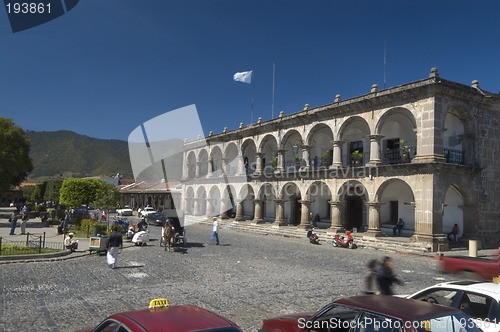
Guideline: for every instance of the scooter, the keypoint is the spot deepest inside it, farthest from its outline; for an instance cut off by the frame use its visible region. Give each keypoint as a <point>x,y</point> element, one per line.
<point>313,237</point>
<point>130,232</point>
<point>345,242</point>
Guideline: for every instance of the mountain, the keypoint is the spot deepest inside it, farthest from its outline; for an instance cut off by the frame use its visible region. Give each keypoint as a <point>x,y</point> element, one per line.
<point>70,154</point>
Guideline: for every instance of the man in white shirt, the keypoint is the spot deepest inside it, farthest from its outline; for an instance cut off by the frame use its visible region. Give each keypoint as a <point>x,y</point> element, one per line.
<point>70,243</point>
<point>215,231</point>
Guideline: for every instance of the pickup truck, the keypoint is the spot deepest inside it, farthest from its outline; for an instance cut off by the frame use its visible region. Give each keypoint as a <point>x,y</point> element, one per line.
<point>472,268</point>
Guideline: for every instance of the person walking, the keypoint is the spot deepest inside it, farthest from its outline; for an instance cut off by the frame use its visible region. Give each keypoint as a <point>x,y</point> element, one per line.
<point>115,243</point>
<point>369,286</point>
<point>386,277</point>
<point>13,222</point>
<point>215,231</point>
<point>24,219</point>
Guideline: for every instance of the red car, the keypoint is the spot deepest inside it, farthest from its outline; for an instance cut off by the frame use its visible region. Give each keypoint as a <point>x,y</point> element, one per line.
<point>371,313</point>
<point>161,317</point>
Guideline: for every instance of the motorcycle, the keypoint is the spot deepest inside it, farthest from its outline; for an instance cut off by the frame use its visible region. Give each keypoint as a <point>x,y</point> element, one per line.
<point>130,232</point>
<point>344,241</point>
<point>313,237</point>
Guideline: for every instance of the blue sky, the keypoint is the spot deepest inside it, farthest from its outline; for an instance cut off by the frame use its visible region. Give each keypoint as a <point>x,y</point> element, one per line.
<point>107,66</point>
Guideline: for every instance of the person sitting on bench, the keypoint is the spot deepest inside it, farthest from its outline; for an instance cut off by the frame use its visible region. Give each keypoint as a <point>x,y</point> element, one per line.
<point>454,233</point>
<point>397,228</point>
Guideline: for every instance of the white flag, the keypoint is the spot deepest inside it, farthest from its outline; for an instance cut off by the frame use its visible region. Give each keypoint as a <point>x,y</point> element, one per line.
<point>245,77</point>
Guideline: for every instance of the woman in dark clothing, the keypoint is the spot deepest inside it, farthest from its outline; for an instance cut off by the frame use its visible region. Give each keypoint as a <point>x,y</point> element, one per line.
<point>386,277</point>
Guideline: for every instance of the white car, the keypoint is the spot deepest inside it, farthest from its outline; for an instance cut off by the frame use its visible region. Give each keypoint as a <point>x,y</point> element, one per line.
<point>126,211</point>
<point>479,300</point>
<point>147,210</point>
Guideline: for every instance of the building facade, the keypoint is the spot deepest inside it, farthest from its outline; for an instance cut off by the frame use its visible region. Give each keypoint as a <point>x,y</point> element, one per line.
<point>424,152</point>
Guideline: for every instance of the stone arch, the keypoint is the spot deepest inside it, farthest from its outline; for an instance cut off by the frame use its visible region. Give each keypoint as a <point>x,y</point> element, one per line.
<point>213,201</point>
<point>458,135</point>
<point>249,153</point>
<point>291,195</point>
<point>200,204</point>
<point>189,201</point>
<point>319,194</point>
<point>191,165</point>
<point>291,144</point>
<point>320,141</point>
<point>269,151</point>
<point>353,198</point>
<point>267,196</point>
<point>397,201</point>
<point>216,160</point>
<point>231,159</point>
<point>397,127</point>
<point>453,210</point>
<point>246,198</point>
<point>354,134</point>
<point>203,160</point>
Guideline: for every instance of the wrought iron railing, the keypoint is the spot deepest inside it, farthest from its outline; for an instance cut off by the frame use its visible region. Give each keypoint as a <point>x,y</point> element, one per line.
<point>32,244</point>
<point>453,156</point>
<point>399,155</point>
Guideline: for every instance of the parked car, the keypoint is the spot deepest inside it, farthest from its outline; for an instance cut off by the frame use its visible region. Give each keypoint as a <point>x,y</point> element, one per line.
<point>125,211</point>
<point>374,313</point>
<point>159,317</point>
<point>471,268</point>
<point>147,210</point>
<point>156,218</point>
<point>479,300</point>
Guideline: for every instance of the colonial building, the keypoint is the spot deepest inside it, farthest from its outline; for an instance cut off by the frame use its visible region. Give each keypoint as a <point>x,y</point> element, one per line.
<point>424,152</point>
<point>158,195</point>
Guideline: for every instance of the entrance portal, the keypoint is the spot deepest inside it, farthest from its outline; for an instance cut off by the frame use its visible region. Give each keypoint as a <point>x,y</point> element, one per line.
<point>354,212</point>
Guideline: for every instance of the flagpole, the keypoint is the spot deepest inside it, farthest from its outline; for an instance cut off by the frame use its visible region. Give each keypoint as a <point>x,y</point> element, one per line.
<point>272,108</point>
<point>253,79</point>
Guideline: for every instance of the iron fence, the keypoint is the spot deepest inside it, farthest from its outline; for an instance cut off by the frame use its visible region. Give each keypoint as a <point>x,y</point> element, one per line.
<point>32,244</point>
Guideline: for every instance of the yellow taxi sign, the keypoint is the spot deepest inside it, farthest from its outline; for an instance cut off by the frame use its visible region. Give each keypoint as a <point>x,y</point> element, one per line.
<point>496,280</point>
<point>158,303</point>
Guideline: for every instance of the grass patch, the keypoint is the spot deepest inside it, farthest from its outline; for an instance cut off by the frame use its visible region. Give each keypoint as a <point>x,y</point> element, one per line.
<point>14,249</point>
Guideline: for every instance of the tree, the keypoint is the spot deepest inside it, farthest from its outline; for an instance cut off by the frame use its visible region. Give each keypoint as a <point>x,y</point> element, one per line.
<point>52,191</point>
<point>78,192</point>
<point>15,162</point>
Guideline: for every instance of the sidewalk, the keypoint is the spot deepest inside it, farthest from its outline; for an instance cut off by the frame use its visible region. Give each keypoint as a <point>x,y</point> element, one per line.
<point>34,226</point>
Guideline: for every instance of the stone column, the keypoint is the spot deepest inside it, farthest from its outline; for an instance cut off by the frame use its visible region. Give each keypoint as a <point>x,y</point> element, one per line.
<point>210,168</point>
<point>280,215</point>
<point>209,210</point>
<point>374,150</point>
<point>196,207</point>
<point>281,161</point>
<point>241,166</point>
<point>257,219</point>
<point>304,214</point>
<point>336,220</point>
<point>305,155</point>
<point>185,169</point>
<point>337,154</point>
<point>258,161</point>
<point>223,165</point>
<point>239,211</point>
<point>187,205</point>
<point>197,170</point>
<point>373,219</point>
<point>223,208</point>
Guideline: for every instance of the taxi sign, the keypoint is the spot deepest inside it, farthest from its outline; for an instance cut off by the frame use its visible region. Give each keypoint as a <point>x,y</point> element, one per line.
<point>158,303</point>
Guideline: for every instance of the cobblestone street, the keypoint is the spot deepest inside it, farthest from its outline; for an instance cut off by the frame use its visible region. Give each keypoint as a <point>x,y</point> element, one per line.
<point>246,278</point>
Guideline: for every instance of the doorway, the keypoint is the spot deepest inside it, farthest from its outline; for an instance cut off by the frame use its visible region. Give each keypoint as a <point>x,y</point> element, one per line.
<point>354,212</point>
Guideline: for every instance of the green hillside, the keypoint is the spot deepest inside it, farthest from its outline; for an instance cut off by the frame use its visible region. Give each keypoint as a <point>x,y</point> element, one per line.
<point>70,154</point>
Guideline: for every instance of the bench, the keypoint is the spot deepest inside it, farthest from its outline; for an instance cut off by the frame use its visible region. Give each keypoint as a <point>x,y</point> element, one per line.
<point>387,228</point>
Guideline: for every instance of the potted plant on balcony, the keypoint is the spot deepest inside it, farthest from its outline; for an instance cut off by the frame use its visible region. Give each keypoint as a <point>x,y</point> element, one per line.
<point>356,157</point>
<point>327,158</point>
<point>274,162</point>
<point>404,151</point>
